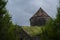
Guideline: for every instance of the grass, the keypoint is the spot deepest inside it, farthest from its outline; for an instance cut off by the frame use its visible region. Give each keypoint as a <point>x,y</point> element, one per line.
<point>32,31</point>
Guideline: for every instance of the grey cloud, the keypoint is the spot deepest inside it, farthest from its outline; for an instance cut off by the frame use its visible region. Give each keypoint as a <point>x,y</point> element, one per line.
<point>22,10</point>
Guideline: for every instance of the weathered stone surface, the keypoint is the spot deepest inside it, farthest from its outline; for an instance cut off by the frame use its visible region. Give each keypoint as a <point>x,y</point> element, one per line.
<point>39,18</point>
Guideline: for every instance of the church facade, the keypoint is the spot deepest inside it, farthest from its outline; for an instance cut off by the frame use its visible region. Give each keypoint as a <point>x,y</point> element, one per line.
<point>39,18</point>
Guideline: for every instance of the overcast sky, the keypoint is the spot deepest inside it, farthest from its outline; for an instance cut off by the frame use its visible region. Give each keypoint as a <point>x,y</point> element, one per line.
<point>22,10</point>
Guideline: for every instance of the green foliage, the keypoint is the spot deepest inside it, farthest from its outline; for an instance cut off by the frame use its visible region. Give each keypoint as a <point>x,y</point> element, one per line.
<point>3,11</point>
<point>3,20</point>
<point>8,31</point>
<point>14,32</point>
<point>57,25</point>
<point>52,29</point>
<point>32,31</point>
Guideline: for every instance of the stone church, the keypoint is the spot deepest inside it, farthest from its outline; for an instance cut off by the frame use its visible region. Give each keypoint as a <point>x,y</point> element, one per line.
<point>39,18</point>
<point>33,33</point>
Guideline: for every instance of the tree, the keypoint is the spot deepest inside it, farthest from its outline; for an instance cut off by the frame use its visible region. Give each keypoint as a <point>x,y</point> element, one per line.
<point>8,31</point>
<point>5,20</point>
<point>52,30</point>
<point>3,11</point>
<point>57,25</point>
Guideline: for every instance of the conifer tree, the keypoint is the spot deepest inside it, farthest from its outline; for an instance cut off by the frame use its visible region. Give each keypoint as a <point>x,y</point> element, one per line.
<point>52,30</point>
<point>57,25</point>
<point>5,21</point>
